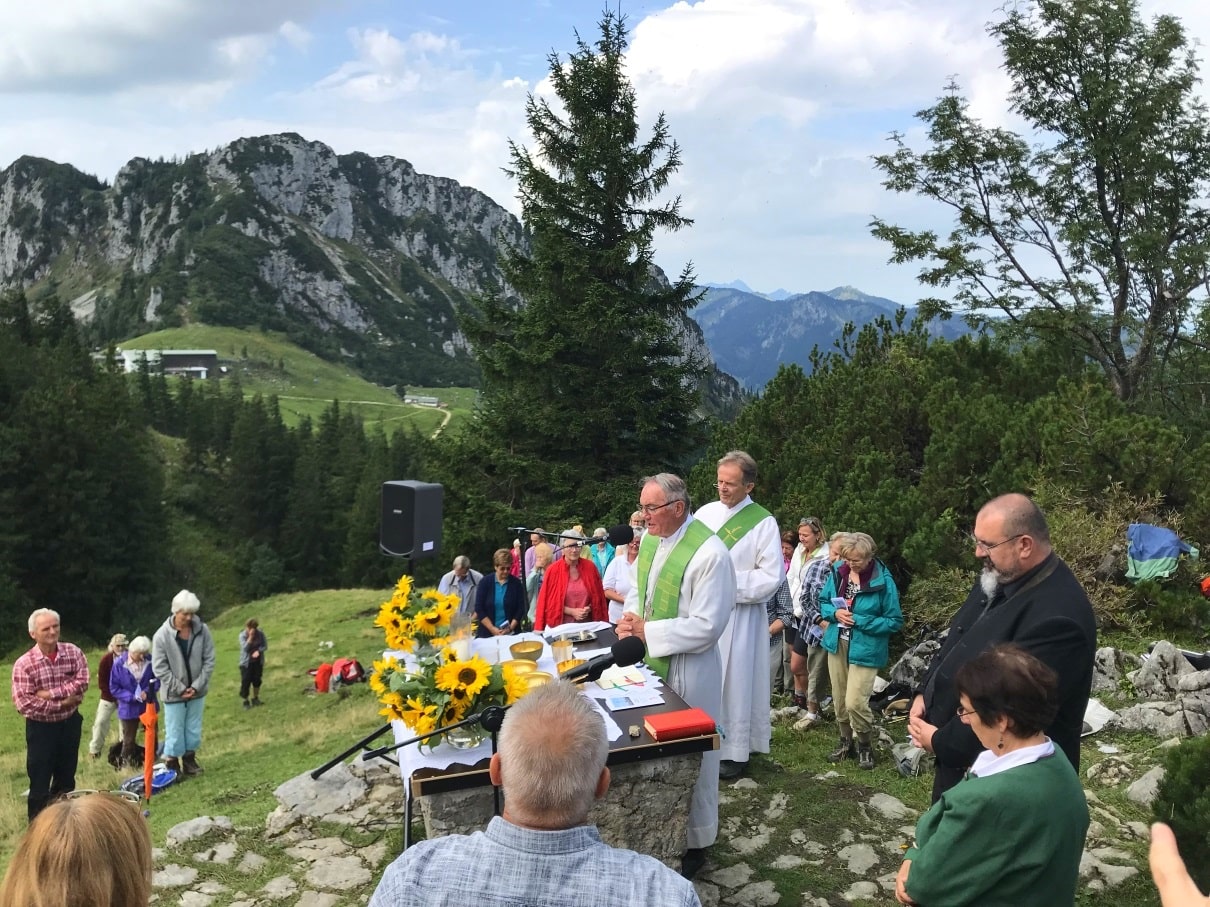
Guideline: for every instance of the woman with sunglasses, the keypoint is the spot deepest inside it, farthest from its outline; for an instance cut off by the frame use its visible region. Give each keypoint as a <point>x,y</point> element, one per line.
<point>571,591</point>
<point>1012,831</point>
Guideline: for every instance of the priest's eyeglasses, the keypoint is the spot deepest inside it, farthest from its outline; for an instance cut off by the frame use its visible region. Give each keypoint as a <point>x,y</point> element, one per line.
<point>988,547</point>
<point>649,509</point>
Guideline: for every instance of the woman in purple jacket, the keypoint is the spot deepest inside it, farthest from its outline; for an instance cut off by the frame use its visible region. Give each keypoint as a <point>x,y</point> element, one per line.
<point>133,686</point>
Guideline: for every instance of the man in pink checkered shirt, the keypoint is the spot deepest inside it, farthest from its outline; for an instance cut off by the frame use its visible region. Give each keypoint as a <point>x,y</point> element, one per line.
<point>49,682</point>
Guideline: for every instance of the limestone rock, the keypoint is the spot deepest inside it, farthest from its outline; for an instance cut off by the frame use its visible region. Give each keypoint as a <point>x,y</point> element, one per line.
<point>338,790</point>
<point>788,861</point>
<point>1145,789</point>
<point>758,894</point>
<point>860,858</point>
<point>1109,666</point>
<point>1159,676</point>
<point>174,876</point>
<point>911,666</point>
<point>891,808</point>
<point>196,828</point>
<point>862,891</point>
<point>730,877</point>
<point>280,887</point>
<point>1110,771</point>
<point>317,899</point>
<point>338,873</point>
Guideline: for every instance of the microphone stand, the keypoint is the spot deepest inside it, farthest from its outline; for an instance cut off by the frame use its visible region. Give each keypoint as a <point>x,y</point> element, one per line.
<point>491,718</point>
<point>361,744</point>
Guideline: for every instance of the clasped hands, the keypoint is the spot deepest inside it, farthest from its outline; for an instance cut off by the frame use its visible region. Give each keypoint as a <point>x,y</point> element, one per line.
<point>632,625</point>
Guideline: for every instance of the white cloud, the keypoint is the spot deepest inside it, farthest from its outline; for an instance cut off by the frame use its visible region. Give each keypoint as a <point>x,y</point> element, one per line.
<point>82,47</point>
<point>295,35</point>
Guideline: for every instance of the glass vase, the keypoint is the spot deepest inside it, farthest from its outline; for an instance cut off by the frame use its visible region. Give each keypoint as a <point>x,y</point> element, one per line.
<point>465,738</point>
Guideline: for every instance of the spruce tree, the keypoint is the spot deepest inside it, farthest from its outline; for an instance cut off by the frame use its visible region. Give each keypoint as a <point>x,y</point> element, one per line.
<point>585,382</point>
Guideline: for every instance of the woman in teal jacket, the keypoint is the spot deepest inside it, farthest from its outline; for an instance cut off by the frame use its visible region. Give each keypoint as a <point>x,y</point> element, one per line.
<point>860,603</point>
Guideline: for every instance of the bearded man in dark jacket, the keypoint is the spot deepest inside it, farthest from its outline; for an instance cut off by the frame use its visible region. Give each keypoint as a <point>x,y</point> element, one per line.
<point>1025,595</point>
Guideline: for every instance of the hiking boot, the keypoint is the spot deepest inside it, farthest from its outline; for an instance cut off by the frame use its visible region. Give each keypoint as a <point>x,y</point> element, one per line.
<point>843,751</point>
<point>865,757</point>
<point>256,701</point>
<point>191,766</point>
<point>247,704</point>
<point>800,701</point>
<point>173,763</point>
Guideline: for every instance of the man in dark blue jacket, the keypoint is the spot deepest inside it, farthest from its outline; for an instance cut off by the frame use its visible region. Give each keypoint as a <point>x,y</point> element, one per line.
<point>1025,595</point>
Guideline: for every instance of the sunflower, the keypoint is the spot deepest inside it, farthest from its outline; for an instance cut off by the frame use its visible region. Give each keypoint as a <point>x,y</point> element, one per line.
<point>514,686</point>
<point>472,676</point>
<point>403,588</point>
<point>380,674</point>
<point>428,621</point>
<point>392,707</point>
<point>420,717</point>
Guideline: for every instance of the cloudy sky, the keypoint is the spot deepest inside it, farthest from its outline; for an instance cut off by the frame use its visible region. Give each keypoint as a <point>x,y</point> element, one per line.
<point>778,104</point>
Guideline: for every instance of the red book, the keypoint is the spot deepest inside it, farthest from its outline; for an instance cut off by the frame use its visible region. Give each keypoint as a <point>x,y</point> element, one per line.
<point>682,723</point>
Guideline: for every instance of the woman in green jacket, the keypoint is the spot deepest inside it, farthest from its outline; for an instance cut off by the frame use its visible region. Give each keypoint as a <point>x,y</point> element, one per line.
<point>1012,831</point>
<point>860,603</point>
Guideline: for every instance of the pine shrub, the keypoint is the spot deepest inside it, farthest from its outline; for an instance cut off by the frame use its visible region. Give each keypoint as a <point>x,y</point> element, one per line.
<point>1183,801</point>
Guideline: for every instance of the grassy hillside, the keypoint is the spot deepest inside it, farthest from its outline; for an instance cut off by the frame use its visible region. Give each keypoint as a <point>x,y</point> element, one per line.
<point>305,384</point>
<point>246,754</point>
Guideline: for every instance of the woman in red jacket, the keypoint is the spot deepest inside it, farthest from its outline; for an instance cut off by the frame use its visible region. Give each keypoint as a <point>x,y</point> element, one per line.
<point>571,589</point>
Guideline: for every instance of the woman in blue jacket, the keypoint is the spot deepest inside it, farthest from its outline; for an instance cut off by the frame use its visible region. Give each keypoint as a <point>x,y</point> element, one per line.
<point>860,603</point>
<point>500,604</point>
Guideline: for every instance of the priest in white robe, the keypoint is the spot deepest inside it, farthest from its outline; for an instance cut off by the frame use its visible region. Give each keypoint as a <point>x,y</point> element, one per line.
<point>751,534</point>
<point>679,606</point>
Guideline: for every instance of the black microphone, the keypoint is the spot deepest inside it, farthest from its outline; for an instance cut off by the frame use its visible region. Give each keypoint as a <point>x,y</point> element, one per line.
<point>616,536</point>
<point>623,653</point>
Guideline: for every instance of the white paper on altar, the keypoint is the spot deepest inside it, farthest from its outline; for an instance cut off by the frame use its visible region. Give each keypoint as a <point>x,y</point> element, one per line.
<point>651,684</point>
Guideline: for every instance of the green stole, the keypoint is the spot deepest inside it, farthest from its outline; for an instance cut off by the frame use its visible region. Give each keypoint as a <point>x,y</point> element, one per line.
<point>665,600</point>
<point>741,523</point>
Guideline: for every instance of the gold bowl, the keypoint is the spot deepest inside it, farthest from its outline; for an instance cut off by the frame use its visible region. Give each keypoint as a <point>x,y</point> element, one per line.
<point>520,665</point>
<point>528,649</point>
<point>537,679</point>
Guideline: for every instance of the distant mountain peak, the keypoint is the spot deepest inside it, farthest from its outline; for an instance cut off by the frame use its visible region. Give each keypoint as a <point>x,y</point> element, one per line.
<point>734,285</point>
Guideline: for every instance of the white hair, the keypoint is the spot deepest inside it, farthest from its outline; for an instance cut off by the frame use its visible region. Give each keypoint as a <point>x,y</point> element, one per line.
<point>552,751</point>
<point>41,612</point>
<point>139,644</point>
<point>187,602</point>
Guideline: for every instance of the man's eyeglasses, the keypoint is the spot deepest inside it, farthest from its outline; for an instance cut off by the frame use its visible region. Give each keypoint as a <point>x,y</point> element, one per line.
<point>649,509</point>
<point>729,486</point>
<point>986,547</point>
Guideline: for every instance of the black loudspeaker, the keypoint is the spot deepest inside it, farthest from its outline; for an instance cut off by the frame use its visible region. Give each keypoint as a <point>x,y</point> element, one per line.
<point>411,519</point>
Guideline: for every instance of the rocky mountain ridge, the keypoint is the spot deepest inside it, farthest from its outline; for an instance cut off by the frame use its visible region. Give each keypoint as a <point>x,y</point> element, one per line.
<point>358,259</point>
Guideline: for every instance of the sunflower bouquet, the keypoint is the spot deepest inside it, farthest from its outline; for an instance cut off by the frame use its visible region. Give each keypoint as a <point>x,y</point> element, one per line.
<point>409,618</point>
<point>440,683</point>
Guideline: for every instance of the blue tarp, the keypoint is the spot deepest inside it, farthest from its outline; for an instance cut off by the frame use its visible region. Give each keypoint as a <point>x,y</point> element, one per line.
<point>1154,551</point>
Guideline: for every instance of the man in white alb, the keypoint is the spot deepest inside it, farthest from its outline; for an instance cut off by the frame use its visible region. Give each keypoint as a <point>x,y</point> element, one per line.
<point>751,535</point>
<point>678,606</point>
